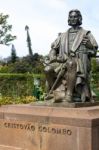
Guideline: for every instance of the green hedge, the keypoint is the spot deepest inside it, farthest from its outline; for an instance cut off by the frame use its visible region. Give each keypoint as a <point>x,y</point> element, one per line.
<point>95,78</point>
<point>95,83</point>
<point>17,100</point>
<point>17,85</point>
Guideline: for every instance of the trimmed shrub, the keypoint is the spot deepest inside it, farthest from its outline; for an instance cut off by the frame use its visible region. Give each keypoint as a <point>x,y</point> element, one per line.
<point>18,100</point>
<point>18,85</point>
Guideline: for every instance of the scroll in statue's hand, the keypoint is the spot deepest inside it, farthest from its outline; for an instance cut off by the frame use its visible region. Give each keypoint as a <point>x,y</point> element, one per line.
<point>87,42</point>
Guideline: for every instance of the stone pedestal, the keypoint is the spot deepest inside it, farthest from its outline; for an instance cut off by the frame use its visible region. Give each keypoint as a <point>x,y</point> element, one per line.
<point>26,127</point>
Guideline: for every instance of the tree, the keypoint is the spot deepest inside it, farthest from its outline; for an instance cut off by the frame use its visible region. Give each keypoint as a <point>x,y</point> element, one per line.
<point>5,30</point>
<point>13,54</point>
<point>29,41</point>
<point>20,67</point>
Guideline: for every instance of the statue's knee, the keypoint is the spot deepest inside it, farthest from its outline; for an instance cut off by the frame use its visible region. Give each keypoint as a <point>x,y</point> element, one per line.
<point>72,64</point>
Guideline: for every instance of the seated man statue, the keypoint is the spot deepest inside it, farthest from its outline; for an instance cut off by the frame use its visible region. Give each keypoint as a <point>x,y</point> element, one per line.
<point>68,64</point>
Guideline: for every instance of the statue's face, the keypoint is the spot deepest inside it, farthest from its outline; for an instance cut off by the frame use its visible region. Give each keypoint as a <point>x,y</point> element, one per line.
<point>73,19</point>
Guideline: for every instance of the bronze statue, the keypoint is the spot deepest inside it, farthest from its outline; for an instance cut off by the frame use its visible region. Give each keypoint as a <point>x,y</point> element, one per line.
<point>68,64</point>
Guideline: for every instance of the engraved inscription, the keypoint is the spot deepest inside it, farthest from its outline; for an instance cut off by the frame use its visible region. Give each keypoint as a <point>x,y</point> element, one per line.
<point>53,130</point>
<point>28,126</point>
<point>39,127</point>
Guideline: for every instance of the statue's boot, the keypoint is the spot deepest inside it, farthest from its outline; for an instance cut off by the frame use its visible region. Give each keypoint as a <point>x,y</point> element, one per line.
<point>68,98</point>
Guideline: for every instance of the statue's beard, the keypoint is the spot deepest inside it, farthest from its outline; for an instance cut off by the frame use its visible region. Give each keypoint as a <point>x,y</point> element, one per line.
<point>74,23</point>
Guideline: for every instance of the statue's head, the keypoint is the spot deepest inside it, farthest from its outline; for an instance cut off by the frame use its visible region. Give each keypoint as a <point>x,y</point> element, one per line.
<point>59,33</point>
<point>74,18</point>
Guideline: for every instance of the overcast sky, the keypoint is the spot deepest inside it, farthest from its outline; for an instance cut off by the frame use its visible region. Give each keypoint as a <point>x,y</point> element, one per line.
<point>45,18</point>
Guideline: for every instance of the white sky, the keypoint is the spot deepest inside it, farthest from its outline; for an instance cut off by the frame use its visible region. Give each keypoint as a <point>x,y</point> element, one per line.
<point>45,18</point>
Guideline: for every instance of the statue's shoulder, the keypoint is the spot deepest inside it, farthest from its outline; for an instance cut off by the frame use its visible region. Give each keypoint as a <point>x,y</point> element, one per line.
<point>64,34</point>
<point>85,31</point>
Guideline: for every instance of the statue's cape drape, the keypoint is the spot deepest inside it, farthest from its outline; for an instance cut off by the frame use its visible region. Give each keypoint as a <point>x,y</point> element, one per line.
<point>82,67</point>
<point>64,41</point>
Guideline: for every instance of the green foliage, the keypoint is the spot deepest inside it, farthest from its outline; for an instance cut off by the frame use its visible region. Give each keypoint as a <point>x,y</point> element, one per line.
<point>23,65</point>
<point>38,92</point>
<point>4,69</point>
<point>95,78</point>
<point>18,88</point>
<point>95,83</point>
<point>13,54</point>
<point>29,41</point>
<point>17,85</point>
<point>5,30</point>
<point>20,67</point>
<point>38,67</point>
<point>18,100</point>
<point>94,65</point>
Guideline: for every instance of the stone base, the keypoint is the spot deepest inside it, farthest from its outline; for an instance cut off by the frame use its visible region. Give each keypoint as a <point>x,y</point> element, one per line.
<point>51,103</point>
<point>28,127</point>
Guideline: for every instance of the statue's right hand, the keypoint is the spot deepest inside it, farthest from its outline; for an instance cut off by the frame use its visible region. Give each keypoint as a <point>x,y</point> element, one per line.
<point>60,59</point>
<point>47,61</point>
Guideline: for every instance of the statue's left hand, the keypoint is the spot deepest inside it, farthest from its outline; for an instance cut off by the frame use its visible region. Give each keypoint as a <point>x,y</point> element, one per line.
<point>87,42</point>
